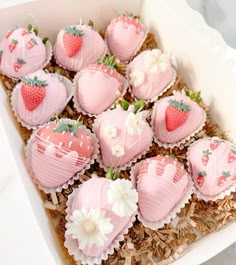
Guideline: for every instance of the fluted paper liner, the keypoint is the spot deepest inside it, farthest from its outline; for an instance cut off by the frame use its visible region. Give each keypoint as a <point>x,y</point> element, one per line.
<point>176,209</point>
<point>78,254</point>
<point>78,174</point>
<point>69,90</point>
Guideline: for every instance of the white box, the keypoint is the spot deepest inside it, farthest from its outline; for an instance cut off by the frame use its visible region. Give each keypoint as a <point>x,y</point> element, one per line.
<point>200,56</point>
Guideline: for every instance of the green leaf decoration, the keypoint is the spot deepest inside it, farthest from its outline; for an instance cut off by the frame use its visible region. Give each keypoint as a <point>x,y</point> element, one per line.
<point>30,27</point>
<point>109,174</point>
<point>1,52</point>
<point>116,175</point>
<point>180,105</point>
<point>45,40</point>
<point>139,105</point>
<point>90,23</point>
<point>21,61</point>
<point>202,174</point>
<point>124,104</point>
<point>226,174</point>
<point>108,61</point>
<point>34,82</point>
<point>72,128</point>
<point>113,175</point>
<point>194,96</point>
<point>206,152</point>
<point>74,31</point>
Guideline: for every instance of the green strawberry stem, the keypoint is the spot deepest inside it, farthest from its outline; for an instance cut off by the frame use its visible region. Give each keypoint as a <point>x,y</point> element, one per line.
<point>206,152</point>
<point>113,175</point>
<point>124,104</point>
<point>90,23</point>
<point>127,14</point>
<point>139,105</point>
<point>15,41</point>
<point>226,174</point>
<point>34,29</point>
<point>21,61</point>
<point>232,150</point>
<point>34,82</point>
<point>1,52</point>
<point>45,40</point>
<point>74,31</point>
<point>202,174</point>
<point>108,61</point>
<point>180,105</point>
<point>195,96</point>
<point>73,128</point>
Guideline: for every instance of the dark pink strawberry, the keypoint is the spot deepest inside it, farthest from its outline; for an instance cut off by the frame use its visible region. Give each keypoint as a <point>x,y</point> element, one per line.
<point>200,178</point>
<point>18,64</point>
<point>214,144</point>
<point>222,179</point>
<point>31,43</point>
<point>9,33</point>
<point>12,45</point>
<point>205,157</point>
<point>231,156</point>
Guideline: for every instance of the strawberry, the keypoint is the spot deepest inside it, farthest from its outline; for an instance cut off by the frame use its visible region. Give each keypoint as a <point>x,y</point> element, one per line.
<point>33,92</point>
<point>200,178</point>
<point>222,179</point>
<point>214,144</point>
<point>18,64</point>
<point>12,45</point>
<point>72,40</point>
<point>31,43</point>
<point>1,53</point>
<point>9,33</point>
<point>231,156</point>
<point>176,114</point>
<point>25,32</point>
<point>205,156</point>
<point>67,138</point>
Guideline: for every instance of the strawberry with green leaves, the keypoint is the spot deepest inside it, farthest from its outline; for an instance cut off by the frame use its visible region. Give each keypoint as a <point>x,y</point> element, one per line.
<point>18,64</point>
<point>231,156</point>
<point>1,53</point>
<point>72,40</point>
<point>12,45</point>
<point>222,179</point>
<point>33,92</point>
<point>200,178</point>
<point>205,157</point>
<point>176,114</point>
<point>31,43</point>
<point>9,33</point>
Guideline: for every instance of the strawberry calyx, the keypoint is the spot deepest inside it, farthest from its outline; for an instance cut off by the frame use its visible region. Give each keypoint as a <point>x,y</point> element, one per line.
<point>34,82</point>
<point>202,174</point>
<point>127,14</point>
<point>74,31</point>
<point>1,52</point>
<point>206,152</point>
<point>194,96</point>
<point>45,40</point>
<point>33,29</point>
<point>72,128</point>
<point>180,105</point>
<point>113,175</point>
<point>109,61</point>
<point>232,150</point>
<point>137,105</point>
<point>226,174</point>
<point>14,41</point>
<point>90,23</point>
<point>21,61</point>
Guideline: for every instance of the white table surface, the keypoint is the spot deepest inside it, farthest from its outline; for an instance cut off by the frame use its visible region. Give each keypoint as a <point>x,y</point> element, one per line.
<point>218,14</point>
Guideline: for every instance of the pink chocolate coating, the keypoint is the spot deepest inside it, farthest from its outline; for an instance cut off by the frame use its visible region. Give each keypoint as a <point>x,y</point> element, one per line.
<point>194,121</point>
<point>124,36</point>
<point>97,188</point>
<point>34,58</point>
<point>96,89</point>
<point>161,184</point>
<point>213,165</point>
<point>55,97</point>
<point>133,144</point>
<point>154,83</point>
<point>93,47</point>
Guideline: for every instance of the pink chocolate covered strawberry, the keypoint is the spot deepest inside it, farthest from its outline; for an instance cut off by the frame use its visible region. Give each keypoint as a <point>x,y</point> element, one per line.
<point>124,35</point>
<point>212,172</point>
<point>103,82</point>
<point>58,151</point>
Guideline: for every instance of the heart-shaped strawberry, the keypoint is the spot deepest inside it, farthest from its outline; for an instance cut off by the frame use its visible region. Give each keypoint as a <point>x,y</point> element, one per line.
<point>124,36</point>
<point>98,87</point>
<point>23,52</point>
<point>213,169</point>
<point>175,118</point>
<point>94,227</point>
<point>162,183</point>
<point>58,152</point>
<point>123,135</point>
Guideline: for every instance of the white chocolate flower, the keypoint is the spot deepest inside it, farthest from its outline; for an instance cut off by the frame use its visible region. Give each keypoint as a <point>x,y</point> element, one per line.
<point>122,195</point>
<point>89,227</point>
<point>136,78</point>
<point>156,62</point>
<point>117,150</point>
<point>135,123</point>
<point>110,132</point>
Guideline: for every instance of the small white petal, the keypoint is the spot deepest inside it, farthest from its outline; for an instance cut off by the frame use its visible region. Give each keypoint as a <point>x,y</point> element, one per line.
<point>156,62</point>
<point>117,150</point>
<point>136,78</point>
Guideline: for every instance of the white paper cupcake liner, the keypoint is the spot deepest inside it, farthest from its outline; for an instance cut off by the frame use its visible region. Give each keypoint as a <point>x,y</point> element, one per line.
<point>154,99</point>
<point>77,176</point>
<point>76,101</point>
<point>176,209</point>
<point>126,165</point>
<point>184,142</point>
<point>14,98</point>
<point>221,195</point>
<point>49,51</point>
<point>70,243</point>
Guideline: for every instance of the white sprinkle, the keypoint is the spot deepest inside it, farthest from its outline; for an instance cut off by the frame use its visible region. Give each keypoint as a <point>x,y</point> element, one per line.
<point>105,70</point>
<point>48,138</point>
<point>71,134</point>
<point>88,147</point>
<point>41,134</point>
<point>47,127</point>
<point>60,144</point>
<point>81,143</point>
<point>82,136</point>
<point>69,144</point>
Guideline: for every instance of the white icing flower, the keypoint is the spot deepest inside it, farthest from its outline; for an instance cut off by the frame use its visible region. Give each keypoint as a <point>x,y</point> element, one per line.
<point>122,195</point>
<point>156,62</point>
<point>135,123</point>
<point>110,132</point>
<point>136,78</point>
<point>89,227</point>
<point>117,150</point>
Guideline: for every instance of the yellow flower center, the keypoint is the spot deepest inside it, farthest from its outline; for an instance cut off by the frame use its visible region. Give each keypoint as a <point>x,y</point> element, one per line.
<point>89,226</point>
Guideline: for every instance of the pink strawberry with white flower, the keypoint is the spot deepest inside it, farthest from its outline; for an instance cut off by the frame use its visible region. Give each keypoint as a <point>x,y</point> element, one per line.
<point>124,36</point>
<point>211,170</point>
<point>58,152</point>
<point>103,82</point>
